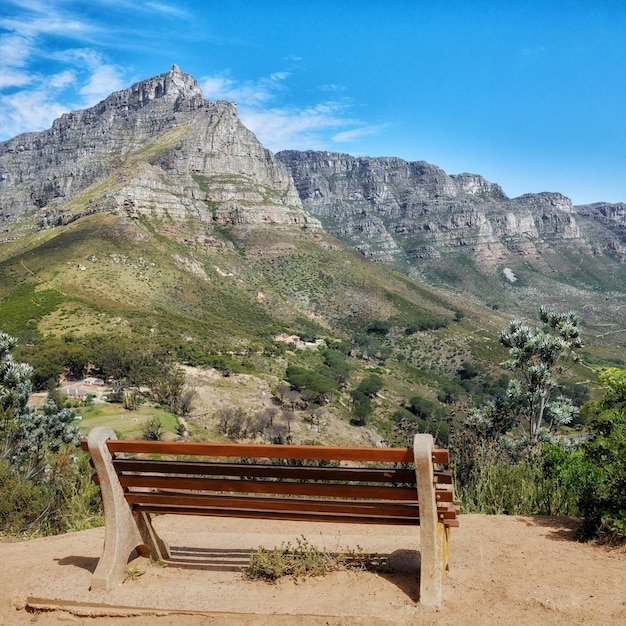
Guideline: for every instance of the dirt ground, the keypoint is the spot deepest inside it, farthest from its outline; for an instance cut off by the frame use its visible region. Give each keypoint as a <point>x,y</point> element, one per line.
<point>504,570</point>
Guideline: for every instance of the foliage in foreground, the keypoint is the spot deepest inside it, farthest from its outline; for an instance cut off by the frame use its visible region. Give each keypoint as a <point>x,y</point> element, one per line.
<point>496,476</point>
<point>67,500</point>
<point>45,482</point>
<point>603,505</point>
<point>539,357</point>
<point>489,479</point>
<point>28,436</point>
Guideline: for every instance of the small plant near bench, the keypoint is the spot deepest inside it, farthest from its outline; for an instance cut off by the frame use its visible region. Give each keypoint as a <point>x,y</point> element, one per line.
<point>132,573</point>
<point>305,559</point>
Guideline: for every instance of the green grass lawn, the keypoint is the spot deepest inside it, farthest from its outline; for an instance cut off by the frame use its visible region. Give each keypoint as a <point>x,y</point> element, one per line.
<point>126,424</point>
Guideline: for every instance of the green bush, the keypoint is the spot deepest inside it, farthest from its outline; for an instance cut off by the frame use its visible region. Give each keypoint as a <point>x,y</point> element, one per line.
<point>304,560</point>
<point>603,504</point>
<point>68,500</point>
<point>549,483</point>
<point>153,429</point>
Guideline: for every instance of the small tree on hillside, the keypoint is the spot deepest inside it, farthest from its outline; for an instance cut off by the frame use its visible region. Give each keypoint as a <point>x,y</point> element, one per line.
<point>538,357</point>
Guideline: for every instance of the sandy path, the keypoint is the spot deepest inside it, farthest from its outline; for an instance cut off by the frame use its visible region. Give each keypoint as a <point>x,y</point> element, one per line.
<point>504,570</point>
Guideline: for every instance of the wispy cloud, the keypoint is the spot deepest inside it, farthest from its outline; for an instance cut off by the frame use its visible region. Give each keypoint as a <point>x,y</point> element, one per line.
<point>98,77</point>
<point>248,93</point>
<point>52,61</point>
<point>313,126</point>
<point>167,9</point>
<point>37,85</point>
<point>28,110</point>
<point>349,136</point>
<point>294,128</point>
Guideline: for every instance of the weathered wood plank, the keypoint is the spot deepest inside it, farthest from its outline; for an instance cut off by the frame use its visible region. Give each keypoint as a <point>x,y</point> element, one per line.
<point>335,490</point>
<point>259,470</point>
<point>270,451</point>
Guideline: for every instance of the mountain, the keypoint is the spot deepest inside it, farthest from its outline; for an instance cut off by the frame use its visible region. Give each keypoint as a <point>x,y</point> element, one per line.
<point>463,233</point>
<point>157,219</point>
<point>157,147</point>
<point>157,209</point>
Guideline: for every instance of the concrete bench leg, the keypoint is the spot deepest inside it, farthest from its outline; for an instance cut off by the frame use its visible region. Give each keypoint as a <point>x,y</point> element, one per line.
<point>433,534</point>
<point>158,548</point>
<point>122,534</point>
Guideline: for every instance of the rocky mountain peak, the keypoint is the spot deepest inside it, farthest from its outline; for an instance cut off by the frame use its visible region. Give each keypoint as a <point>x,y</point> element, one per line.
<point>174,89</point>
<point>157,146</point>
<point>476,185</point>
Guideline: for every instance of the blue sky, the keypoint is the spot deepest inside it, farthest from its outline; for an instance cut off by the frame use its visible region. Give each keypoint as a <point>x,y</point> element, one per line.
<point>530,94</point>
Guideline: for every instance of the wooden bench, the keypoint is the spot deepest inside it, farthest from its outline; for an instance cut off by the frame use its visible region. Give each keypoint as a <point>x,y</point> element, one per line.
<point>286,482</point>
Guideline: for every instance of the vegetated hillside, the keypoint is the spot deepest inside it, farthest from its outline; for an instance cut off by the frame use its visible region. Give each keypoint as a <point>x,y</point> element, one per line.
<point>462,233</point>
<point>158,221</point>
<point>132,278</point>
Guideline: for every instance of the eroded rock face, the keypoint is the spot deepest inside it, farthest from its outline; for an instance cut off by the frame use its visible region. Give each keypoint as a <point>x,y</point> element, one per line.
<point>157,147</point>
<point>405,213</point>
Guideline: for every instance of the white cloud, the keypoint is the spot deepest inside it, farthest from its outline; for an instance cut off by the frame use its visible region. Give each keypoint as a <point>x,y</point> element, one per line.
<point>12,78</point>
<point>103,80</point>
<point>28,110</point>
<point>355,134</point>
<point>62,79</point>
<point>166,9</point>
<point>280,128</point>
<point>15,50</point>
<point>37,100</point>
<point>46,25</point>
<point>251,93</point>
<point>290,127</point>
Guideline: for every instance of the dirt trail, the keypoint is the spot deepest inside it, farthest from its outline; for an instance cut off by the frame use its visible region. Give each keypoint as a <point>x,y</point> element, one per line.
<point>504,570</point>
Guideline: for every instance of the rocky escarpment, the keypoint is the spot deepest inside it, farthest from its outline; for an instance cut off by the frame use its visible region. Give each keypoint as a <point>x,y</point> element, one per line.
<point>157,147</point>
<point>607,217</point>
<point>407,214</point>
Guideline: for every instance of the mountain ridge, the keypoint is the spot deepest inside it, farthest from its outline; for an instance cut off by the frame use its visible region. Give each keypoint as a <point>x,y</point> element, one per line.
<point>464,234</point>
<point>158,134</point>
<point>165,162</point>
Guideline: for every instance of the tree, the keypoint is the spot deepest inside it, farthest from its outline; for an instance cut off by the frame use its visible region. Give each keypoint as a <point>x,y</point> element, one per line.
<point>167,383</point>
<point>362,406</point>
<point>28,435</point>
<point>425,408</point>
<point>318,387</point>
<point>371,385</point>
<point>538,356</point>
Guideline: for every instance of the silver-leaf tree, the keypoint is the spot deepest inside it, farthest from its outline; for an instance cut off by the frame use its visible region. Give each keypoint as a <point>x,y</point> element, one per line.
<point>538,356</point>
<point>27,434</point>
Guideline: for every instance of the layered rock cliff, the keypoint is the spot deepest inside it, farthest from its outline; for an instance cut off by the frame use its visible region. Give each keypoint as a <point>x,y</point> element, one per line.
<point>407,214</point>
<point>157,147</point>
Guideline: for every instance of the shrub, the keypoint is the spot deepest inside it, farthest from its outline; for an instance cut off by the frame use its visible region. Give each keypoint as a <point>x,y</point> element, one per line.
<point>304,559</point>
<point>153,429</point>
<point>603,503</point>
<point>550,483</point>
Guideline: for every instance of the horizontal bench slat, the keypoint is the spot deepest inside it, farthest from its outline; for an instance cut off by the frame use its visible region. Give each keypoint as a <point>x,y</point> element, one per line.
<point>260,470</point>
<point>269,451</point>
<point>265,503</point>
<point>340,490</point>
<point>279,515</point>
<point>261,504</point>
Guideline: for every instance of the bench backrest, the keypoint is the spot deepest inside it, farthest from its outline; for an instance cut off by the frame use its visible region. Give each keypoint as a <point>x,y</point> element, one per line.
<point>322,483</point>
